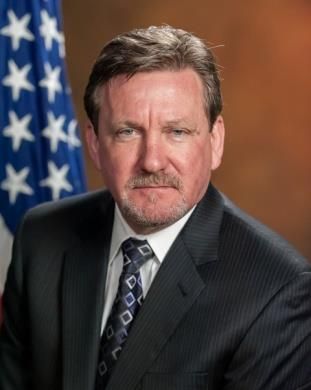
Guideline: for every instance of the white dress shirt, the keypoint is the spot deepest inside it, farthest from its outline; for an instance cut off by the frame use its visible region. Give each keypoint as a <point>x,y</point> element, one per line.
<point>160,243</point>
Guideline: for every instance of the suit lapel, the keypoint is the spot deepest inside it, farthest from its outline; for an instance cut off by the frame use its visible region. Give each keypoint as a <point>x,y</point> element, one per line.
<point>172,294</point>
<point>201,233</point>
<point>83,291</point>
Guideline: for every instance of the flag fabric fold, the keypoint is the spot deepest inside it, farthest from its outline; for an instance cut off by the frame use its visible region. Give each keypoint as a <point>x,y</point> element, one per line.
<point>40,148</point>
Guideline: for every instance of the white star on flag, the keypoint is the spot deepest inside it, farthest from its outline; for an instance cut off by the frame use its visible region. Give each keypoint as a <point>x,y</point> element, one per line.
<point>15,182</point>
<point>18,130</point>
<point>57,180</point>
<point>51,81</point>
<point>48,30</point>
<point>73,140</point>
<point>54,131</point>
<point>17,79</point>
<point>17,29</point>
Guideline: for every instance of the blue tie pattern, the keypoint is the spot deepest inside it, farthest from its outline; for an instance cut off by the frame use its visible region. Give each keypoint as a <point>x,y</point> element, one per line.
<point>126,305</point>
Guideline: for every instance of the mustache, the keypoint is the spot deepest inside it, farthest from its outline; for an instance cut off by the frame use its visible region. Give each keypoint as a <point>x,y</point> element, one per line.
<point>156,179</point>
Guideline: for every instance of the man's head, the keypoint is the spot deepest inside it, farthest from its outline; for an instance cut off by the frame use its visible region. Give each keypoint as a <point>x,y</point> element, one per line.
<point>152,49</point>
<point>155,132</point>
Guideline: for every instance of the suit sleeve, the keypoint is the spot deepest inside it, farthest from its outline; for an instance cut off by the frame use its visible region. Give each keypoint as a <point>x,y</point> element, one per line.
<point>14,350</point>
<point>276,351</point>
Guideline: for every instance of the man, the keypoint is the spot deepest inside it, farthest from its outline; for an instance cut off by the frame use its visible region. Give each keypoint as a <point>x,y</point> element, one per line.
<point>210,299</point>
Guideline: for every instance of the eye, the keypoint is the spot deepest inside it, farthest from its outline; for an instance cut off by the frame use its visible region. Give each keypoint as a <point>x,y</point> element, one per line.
<point>179,133</point>
<point>126,133</point>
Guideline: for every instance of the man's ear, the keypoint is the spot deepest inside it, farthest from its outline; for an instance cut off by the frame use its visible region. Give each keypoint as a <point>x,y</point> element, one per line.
<point>217,142</point>
<point>92,143</point>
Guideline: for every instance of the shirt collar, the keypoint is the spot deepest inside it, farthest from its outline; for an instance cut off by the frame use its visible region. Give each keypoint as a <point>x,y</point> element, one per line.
<point>160,241</point>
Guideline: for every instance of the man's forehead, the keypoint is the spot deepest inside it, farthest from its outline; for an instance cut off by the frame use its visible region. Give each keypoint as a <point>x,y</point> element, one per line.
<point>187,81</point>
<point>175,97</point>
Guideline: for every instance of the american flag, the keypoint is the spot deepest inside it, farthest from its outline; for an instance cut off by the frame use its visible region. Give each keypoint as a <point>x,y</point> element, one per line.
<point>40,148</point>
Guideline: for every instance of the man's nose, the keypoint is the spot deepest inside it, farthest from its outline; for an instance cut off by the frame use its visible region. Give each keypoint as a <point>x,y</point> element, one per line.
<point>153,157</point>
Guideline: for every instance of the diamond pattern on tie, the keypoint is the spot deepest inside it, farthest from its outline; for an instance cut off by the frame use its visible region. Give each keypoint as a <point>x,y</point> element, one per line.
<point>126,305</point>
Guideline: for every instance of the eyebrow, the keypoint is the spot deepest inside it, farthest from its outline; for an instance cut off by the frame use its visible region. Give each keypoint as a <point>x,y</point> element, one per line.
<point>130,124</point>
<point>178,122</point>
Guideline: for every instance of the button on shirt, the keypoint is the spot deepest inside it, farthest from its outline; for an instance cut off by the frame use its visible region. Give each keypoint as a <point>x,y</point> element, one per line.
<point>160,243</point>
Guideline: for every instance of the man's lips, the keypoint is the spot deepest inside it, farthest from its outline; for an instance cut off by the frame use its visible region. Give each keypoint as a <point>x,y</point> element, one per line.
<point>155,189</point>
<point>153,186</point>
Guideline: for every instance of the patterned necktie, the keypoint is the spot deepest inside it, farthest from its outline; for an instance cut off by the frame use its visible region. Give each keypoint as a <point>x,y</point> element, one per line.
<point>126,305</point>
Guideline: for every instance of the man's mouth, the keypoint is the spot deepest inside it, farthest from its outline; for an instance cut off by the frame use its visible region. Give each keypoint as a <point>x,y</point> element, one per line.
<point>155,186</point>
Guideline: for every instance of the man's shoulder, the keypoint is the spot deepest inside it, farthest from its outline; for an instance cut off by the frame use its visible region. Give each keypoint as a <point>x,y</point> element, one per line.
<point>59,218</point>
<point>254,243</point>
<point>250,263</point>
<point>75,205</point>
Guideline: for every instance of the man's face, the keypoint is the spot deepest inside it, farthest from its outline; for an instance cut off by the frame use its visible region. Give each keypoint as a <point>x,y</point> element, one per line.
<point>153,147</point>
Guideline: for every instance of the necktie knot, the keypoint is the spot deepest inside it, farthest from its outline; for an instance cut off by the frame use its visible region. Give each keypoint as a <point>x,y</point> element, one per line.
<point>135,253</point>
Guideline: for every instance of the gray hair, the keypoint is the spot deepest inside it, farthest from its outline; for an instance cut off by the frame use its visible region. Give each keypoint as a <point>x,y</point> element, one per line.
<point>153,49</point>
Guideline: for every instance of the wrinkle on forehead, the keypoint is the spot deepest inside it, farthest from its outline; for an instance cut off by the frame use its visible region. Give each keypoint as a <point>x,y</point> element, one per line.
<point>135,98</point>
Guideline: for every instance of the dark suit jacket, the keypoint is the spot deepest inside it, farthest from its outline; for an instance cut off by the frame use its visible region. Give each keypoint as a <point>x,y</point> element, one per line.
<point>230,307</point>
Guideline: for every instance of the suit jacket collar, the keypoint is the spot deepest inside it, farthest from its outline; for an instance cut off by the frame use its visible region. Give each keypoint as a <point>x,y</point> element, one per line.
<point>201,233</point>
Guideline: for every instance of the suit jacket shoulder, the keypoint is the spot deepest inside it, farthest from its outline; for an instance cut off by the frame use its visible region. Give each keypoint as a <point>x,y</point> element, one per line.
<point>70,214</point>
<point>56,225</point>
<point>268,255</point>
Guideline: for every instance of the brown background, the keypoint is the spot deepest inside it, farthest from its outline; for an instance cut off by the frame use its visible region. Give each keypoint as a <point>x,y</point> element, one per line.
<point>266,58</point>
